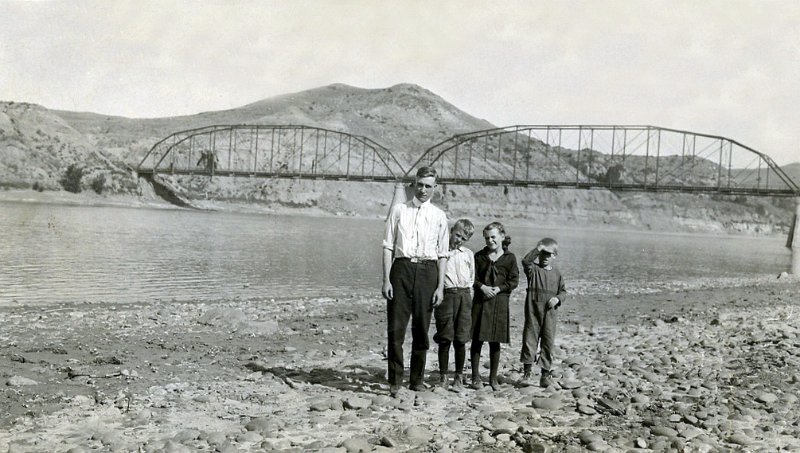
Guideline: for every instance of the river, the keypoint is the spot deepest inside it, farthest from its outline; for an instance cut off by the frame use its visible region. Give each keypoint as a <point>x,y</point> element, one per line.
<point>54,254</point>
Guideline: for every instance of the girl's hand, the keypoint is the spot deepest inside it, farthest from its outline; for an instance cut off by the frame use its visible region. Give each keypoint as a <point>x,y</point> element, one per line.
<point>490,291</point>
<point>552,304</point>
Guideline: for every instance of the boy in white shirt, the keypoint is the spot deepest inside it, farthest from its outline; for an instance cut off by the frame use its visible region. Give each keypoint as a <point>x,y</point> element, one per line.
<point>454,314</point>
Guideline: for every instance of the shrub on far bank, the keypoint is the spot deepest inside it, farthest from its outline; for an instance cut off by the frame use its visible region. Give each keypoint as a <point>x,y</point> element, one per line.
<point>71,181</point>
<point>99,183</point>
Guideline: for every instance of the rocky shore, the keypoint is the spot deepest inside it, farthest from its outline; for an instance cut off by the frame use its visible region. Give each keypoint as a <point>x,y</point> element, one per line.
<point>700,370</point>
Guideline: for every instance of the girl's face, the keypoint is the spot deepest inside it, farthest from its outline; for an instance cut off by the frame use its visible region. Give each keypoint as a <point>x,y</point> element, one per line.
<point>494,239</point>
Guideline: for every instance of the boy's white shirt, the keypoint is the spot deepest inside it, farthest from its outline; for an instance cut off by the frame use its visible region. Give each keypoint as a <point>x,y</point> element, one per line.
<point>460,268</point>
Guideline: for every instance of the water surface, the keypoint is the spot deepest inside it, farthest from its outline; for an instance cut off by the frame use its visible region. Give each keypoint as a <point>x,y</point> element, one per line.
<point>72,254</point>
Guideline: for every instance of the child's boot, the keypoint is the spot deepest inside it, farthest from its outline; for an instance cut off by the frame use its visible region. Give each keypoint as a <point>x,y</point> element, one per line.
<point>443,381</point>
<point>477,384</point>
<point>444,358</point>
<point>546,379</point>
<point>494,365</point>
<point>458,382</point>
<point>527,375</point>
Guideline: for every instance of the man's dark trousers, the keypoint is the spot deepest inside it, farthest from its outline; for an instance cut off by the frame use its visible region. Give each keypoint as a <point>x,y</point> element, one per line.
<point>414,285</point>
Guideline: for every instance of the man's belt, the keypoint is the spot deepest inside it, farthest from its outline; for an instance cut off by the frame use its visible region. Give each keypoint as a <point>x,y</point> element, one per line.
<point>417,260</point>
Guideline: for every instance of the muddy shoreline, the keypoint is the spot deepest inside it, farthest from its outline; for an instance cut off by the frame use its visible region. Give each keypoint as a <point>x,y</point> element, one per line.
<point>700,370</point>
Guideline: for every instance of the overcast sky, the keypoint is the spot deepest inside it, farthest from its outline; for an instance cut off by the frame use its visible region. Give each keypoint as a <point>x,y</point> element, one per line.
<point>728,67</point>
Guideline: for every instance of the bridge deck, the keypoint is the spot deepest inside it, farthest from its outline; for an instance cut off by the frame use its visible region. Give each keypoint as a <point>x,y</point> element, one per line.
<point>490,182</point>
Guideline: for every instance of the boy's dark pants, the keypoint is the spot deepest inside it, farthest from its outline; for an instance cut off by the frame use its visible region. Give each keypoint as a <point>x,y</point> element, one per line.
<point>540,322</point>
<point>413,285</point>
<point>453,324</point>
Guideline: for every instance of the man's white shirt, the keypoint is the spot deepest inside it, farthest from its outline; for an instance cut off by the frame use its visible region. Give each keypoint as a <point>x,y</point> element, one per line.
<point>417,230</point>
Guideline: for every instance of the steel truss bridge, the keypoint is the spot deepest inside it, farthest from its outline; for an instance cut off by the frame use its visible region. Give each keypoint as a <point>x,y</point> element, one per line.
<point>281,151</point>
<point>636,158</point>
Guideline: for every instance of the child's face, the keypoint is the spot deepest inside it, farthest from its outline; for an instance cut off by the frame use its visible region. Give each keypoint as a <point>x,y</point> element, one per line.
<point>458,236</point>
<point>494,239</point>
<point>545,258</point>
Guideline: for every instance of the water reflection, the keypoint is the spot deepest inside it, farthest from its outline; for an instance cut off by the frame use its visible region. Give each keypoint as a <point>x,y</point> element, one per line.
<point>53,254</point>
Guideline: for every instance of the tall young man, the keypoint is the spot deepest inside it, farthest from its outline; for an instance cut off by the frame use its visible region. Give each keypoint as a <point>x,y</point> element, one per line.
<point>415,250</point>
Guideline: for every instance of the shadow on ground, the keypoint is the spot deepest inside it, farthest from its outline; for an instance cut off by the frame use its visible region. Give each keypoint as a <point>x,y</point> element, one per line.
<point>351,378</point>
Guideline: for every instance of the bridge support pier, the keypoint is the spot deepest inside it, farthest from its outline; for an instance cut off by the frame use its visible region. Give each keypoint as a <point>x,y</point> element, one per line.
<point>794,239</point>
<point>400,196</point>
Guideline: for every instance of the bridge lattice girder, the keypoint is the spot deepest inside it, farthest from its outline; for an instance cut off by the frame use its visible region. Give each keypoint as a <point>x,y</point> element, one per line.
<point>642,158</point>
<point>293,151</point>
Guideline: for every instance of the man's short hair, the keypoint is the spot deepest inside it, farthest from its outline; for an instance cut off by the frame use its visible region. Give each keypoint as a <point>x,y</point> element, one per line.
<point>425,172</point>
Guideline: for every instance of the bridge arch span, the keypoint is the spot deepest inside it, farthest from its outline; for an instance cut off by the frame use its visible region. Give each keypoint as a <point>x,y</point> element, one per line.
<point>288,151</point>
<point>643,158</point>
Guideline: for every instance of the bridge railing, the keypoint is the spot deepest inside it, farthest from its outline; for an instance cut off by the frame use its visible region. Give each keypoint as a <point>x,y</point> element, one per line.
<point>616,157</point>
<point>271,150</point>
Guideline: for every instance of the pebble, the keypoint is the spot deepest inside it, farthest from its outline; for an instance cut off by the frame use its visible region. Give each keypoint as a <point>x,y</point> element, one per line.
<point>320,405</point>
<point>665,431</point>
<point>504,426</point>
<point>550,404</point>
<point>739,439</point>
<point>186,435</point>
<point>767,398</point>
<point>260,425</point>
<point>355,403</point>
<point>569,384</point>
<point>417,435</point>
<point>20,381</point>
<point>588,437</point>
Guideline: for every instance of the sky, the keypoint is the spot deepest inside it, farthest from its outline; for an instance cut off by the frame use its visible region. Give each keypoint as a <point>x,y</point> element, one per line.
<point>727,68</point>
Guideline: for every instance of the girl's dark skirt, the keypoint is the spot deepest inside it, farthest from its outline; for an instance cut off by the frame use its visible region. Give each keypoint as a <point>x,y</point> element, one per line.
<point>490,319</point>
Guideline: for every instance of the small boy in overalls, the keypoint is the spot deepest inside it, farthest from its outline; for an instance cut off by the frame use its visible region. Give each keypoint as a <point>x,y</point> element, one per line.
<point>454,314</point>
<point>545,294</point>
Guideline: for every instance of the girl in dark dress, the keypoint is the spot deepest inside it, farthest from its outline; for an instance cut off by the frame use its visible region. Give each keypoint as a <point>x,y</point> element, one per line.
<point>496,275</point>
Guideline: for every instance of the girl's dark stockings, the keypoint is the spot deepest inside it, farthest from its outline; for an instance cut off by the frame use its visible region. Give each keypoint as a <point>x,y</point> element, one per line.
<point>494,363</point>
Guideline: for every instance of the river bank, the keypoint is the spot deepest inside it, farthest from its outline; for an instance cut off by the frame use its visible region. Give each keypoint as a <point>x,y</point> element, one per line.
<point>491,210</point>
<point>702,370</point>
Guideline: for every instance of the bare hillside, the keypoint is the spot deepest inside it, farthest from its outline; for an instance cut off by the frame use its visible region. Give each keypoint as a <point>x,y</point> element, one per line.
<point>38,146</point>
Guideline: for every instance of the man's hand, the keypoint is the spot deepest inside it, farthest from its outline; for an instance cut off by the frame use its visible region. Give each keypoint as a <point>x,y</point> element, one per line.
<point>438,297</point>
<point>552,304</point>
<point>388,291</point>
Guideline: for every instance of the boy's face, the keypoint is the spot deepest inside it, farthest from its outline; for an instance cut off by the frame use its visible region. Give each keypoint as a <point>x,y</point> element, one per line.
<point>545,258</point>
<point>458,236</point>
<point>423,189</point>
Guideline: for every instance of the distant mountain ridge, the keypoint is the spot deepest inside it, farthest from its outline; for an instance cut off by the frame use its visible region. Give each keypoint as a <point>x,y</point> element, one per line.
<point>38,144</point>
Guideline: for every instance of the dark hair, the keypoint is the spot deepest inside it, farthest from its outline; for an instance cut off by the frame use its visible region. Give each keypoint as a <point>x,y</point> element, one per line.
<point>465,225</point>
<point>424,172</point>
<point>549,243</point>
<point>499,227</point>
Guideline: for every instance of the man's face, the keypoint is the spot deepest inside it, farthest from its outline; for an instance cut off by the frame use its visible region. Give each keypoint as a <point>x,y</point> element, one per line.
<point>424,188</point>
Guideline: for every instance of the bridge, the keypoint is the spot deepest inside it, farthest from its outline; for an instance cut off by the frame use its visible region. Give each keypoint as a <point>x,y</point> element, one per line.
<point>271,151</point>
<point>632,158</point>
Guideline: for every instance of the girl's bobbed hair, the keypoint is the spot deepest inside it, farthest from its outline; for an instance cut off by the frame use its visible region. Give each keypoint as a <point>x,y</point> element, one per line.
<point>499,227</point>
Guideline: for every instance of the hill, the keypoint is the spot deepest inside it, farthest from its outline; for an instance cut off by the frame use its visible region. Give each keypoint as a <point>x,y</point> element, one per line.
<point>38,145</point>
